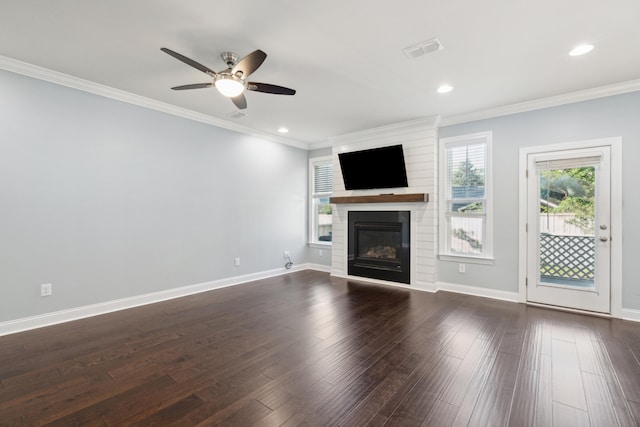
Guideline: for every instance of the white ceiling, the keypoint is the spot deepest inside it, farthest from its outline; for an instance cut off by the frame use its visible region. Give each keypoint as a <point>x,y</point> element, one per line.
<point>344,58</point>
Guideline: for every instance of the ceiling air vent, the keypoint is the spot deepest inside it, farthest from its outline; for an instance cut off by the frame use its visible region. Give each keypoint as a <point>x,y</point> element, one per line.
<point>420,49</point>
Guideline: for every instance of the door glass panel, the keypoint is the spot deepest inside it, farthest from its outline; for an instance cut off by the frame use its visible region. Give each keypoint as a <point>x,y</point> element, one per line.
<point>566,239</point>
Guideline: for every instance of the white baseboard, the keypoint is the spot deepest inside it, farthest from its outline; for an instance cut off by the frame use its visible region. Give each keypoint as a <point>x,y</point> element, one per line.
<point>442,286</point>
<point>421,286</point>
<point>319,267</point>
<point>76,313</point>
<point>48,319</point>
<point>426,287</point>
<point>477,291</point>
<point>631,314</point>
<point>369,280</point>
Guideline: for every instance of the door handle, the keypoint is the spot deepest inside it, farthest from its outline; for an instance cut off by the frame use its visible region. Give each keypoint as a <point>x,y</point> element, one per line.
<point>603,238</point>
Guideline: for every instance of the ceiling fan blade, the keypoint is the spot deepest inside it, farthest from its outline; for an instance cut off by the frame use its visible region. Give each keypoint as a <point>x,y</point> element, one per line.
<point>250,63</point>
<point>193,86</point>
<point>240,101</point>
<point>269,88</point>
<point>189,62</point>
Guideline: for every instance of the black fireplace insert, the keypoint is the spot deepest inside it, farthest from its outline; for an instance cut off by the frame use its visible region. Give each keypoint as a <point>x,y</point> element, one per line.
<point>379,246</point>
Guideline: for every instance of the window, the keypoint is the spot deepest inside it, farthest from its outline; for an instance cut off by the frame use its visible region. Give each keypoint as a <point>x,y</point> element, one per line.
<point>465,188</point>
<point>321,179</point>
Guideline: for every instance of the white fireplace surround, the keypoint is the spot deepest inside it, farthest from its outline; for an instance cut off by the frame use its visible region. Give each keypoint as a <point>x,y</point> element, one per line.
<point>419,141</point>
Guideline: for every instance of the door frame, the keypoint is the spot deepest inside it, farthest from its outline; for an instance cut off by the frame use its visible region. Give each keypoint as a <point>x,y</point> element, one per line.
<point>615,145</point>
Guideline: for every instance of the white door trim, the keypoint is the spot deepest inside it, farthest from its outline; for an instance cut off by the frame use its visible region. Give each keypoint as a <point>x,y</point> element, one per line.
<point>615,144</point>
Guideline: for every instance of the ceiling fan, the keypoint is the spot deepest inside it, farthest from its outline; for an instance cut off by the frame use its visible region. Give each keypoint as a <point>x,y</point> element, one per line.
<point>232,82</point>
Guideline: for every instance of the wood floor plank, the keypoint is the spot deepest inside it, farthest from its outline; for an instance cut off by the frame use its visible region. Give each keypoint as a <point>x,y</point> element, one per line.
<point>428,360</point>
<point>419,402</point>
<point>480,377</point>
<point>568,416</point>
<point>635,411</point>
<point>626,367</point>
<point>567,385</point>
<point>291,412</point>
<point>493,406</point>
<point>532,348</point>
<point>586,352</point>
<point>523,407</point>
<point>544,397</point>
<point>306,348</point>
<point>173,413</point>
<point>370,405</point>
<point>599,402</point>
<point>618,400</point>
<point>457,388</point>
<point>442,414</point>
<point>125,402</point>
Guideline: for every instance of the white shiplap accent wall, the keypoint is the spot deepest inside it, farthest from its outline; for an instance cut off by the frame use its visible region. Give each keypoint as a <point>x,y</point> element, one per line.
<point>419,140</point>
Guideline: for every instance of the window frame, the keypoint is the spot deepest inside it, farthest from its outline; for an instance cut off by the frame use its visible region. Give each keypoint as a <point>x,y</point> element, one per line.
<point>313,162</point>
<point>486,256</point>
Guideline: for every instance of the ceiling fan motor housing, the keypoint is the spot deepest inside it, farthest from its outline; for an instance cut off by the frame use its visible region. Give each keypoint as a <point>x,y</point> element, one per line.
<point>229,58</point>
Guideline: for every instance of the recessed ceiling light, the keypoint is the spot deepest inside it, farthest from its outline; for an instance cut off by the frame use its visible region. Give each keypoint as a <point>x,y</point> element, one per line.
<point>581,49</point>
<point>445,88</point>
<point>283,130</point>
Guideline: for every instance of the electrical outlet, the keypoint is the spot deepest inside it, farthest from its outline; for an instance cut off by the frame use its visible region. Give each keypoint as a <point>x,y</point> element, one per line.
<point>285,254</point>
<point>462,268</point>
<point>46,289</point>
<point>236,262</point>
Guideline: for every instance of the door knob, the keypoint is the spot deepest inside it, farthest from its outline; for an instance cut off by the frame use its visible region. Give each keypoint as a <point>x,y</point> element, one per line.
<point>603,238</point>
<point>603,227</point>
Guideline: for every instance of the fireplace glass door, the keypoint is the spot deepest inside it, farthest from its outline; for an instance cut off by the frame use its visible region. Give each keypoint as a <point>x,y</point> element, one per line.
<point>379,243</point>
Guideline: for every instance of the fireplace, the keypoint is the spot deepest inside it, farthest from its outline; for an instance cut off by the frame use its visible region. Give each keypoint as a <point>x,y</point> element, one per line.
<point>378,245</point>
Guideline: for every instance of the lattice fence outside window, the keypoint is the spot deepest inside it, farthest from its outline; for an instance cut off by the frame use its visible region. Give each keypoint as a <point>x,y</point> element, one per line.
<point>569,257</point>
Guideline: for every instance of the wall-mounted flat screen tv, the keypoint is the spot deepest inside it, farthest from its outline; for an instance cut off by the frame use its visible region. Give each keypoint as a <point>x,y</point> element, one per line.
<point>375,168</point>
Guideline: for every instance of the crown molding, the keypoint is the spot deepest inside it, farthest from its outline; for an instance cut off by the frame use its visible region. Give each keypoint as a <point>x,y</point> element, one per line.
<point>62,79</point>
<point>431,122</point>
<point>553,101</point>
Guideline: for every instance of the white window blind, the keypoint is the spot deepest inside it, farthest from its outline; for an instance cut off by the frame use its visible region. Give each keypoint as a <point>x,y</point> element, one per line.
<point>322,178</point>
<point>577,162</point>
<point>321,211</point>
<point>466,168</point>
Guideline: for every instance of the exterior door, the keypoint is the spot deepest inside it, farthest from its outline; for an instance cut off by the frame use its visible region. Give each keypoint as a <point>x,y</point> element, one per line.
<point>568,229</point>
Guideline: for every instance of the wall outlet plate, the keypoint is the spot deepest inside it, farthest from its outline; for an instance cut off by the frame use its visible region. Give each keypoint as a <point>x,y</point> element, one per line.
<point>46,289</point>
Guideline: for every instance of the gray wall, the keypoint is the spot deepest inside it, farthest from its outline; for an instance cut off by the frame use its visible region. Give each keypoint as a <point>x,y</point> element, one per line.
<point>107,200</point>
<point>606,117</point>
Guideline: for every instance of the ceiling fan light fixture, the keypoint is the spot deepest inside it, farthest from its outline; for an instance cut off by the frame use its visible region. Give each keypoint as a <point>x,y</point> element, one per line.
<point>229,85</point>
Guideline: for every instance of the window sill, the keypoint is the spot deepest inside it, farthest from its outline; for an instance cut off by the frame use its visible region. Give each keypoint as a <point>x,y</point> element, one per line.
<point>467,258</point>
<point>319,245</point>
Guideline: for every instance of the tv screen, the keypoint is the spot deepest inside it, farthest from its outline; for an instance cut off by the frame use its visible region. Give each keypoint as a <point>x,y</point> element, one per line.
<point>375,168</point>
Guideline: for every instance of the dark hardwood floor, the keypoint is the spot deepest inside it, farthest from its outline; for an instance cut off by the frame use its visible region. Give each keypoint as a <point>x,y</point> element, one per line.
<point>306,349</point>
